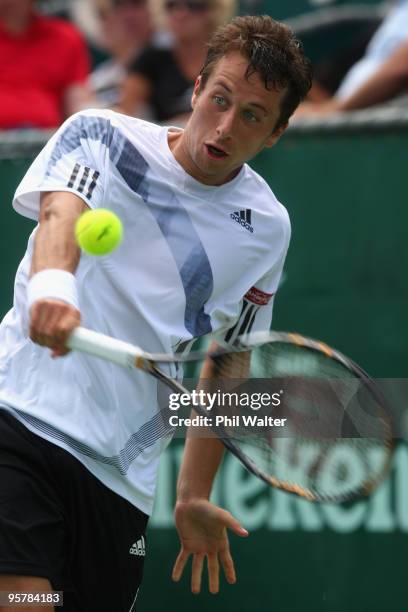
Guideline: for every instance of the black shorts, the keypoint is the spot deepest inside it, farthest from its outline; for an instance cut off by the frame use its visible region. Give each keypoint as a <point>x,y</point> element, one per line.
<point>60,522</point>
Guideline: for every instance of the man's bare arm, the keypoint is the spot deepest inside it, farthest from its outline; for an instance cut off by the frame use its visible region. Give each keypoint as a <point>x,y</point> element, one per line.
<point>55,245</point>
<point>201,459</point>
<point>52,320</point>
<point>196,476</point>
<point>201,525</point>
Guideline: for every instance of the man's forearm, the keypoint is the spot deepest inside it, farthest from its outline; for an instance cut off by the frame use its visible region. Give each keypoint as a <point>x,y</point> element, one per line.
<point>55,245</point>
<point>51,292</point>
<point>202,457</point>
<point>203,450</point>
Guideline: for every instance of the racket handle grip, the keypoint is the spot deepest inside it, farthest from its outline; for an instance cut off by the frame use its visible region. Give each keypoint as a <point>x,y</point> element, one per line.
<point>106,347</point>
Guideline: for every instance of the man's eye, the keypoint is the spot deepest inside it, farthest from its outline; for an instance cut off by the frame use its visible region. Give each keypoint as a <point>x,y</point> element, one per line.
<point>249,116</point>
<point>219,100</point>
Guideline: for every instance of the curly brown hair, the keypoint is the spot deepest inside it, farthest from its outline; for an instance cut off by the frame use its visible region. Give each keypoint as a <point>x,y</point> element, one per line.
<point>272,51</point>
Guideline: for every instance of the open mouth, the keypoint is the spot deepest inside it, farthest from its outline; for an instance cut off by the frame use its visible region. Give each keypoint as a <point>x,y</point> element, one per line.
<point>214,152</point>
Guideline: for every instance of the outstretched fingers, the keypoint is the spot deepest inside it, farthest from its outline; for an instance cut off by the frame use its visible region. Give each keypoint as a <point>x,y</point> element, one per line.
<point>179,565</point>
<point>202,528</point>
<point>228,566</point>
<point>213,573</point>
<point>196,573</point>
<point>231,523</point>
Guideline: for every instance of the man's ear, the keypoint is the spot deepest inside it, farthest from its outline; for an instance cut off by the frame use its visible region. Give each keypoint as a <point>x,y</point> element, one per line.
<point>196,91</point>
<point>276,134</point>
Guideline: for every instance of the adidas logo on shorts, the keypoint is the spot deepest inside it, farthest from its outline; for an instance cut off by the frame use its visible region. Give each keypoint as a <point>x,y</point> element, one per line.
<point>138,548</point>
<point>243,217</point>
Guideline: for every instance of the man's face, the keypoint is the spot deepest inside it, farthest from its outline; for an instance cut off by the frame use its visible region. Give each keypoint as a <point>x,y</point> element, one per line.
<point>233,119</point>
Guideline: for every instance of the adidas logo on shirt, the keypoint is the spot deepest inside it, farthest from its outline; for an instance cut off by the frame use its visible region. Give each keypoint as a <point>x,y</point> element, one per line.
<point>138,548</point>
<point>243,217</point>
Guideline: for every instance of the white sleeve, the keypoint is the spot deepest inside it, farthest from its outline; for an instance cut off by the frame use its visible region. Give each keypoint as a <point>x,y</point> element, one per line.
<point>255,312</point>
<point>257,304</point>
<point>72,160</point>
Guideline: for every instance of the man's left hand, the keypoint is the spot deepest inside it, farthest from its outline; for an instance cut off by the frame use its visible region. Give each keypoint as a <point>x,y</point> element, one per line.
<point>202,528</point>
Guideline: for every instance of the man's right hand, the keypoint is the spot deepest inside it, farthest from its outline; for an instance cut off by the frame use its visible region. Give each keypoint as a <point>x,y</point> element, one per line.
<point>51,323</point>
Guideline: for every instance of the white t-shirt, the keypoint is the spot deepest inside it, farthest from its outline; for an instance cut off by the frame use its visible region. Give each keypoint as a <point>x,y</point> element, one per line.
<point>390,35</point>
<point>194,260</point>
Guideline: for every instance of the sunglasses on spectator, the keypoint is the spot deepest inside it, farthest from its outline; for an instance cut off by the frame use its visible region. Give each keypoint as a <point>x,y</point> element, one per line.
<point>190,5</point>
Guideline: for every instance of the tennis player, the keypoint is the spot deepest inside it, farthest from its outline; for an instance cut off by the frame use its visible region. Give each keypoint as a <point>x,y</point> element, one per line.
<point>204,246</point>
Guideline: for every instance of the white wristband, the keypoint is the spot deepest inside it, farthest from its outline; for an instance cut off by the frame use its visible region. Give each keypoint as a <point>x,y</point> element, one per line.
<point>54,284</point>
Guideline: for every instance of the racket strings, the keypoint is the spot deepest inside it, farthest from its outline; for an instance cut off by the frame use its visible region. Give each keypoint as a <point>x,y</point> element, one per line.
<point>336,439</point>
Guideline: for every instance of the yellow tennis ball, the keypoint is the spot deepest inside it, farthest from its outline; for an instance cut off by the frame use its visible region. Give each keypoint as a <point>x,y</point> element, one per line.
<point>99,231</point>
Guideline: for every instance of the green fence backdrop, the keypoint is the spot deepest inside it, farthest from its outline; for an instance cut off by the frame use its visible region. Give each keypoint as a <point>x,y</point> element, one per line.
<point>345,283</point>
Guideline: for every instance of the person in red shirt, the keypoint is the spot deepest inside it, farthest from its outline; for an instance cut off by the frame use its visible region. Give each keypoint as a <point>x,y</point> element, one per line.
<point>44,65</point>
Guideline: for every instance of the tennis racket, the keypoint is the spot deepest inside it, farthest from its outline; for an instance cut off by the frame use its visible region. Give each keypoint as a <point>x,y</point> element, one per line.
<point>337,443</point>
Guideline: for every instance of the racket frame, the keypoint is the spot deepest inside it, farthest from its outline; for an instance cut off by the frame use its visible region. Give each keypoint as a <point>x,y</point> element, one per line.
<point>132,356</point>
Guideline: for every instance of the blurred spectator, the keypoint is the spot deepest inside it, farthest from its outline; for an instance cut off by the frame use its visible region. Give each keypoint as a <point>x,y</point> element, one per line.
<point>122,28</point>
<point>164,76</point>
<point>381,74</point>
<point>43,69</point>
